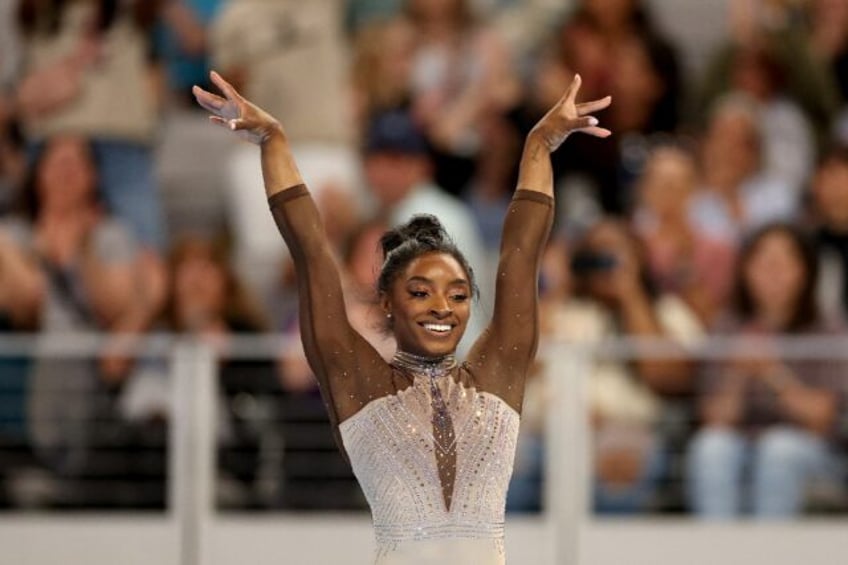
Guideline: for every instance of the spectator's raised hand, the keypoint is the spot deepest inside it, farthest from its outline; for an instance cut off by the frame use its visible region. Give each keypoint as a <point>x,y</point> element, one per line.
<point>567,116</point>
<point>236,113</point>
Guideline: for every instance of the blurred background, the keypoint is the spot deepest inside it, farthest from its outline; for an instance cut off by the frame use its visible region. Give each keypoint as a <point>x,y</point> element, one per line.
<point>692,379</point>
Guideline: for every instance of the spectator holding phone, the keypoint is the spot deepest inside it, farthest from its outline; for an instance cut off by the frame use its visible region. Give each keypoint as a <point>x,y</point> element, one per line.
<point>613,297</point>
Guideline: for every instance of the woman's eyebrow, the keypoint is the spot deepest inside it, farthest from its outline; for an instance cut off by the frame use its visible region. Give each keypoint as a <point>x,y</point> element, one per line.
<point>419,278</point>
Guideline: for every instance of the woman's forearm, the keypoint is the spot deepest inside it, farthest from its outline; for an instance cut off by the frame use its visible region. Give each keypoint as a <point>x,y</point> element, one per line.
<point>279,169</point>
<point>535,171</point>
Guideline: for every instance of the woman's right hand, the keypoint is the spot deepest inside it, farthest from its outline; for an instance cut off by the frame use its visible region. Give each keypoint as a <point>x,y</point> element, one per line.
<point>235,113</point>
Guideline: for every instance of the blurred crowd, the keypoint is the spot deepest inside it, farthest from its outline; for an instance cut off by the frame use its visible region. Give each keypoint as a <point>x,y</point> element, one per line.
<point>718,207</point>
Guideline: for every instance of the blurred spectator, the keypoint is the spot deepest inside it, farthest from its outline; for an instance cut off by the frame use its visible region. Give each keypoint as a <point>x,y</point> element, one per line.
<point>463,73</point>
<point>771,30</point>
<point>68,268</point>
<point>491,189</point>
<point>209,302</point>
<point>382,67</point>
<point>333,486</point>
<point>828,21</point>
<point>612,297</point>
<point>682,260</point>
<point>788,143</point>
<point>618,50</point>
<point>269,50</point>
<point>87,70</point>
<point>399,173</point>
<point>775,417</point>
<point>183,42</point>
<point>738,193</point>
<point>830,220</point>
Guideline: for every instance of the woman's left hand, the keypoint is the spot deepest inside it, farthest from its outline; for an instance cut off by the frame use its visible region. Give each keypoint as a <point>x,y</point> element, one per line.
<point>234,112</point>
<point>567,116</point>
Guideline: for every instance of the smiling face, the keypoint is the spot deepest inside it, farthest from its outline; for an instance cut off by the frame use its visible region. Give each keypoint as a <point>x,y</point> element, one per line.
<point>429,303</point>
<point>66,177</point>
<point>775,275</point>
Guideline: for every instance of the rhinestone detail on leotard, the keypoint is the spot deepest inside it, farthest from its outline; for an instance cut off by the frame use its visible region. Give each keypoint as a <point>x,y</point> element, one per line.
<point>392,449</point>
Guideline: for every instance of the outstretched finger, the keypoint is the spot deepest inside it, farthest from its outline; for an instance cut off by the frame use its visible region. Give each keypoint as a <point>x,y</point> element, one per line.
<point>573,88</point>
<point>219,121</point>
<point>596,131</point>
<point>593,106</point>
<point>207,100</point>
<point>225,87</point>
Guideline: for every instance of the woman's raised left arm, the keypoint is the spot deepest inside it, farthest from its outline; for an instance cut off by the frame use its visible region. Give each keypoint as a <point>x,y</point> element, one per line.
<point>502,355</point>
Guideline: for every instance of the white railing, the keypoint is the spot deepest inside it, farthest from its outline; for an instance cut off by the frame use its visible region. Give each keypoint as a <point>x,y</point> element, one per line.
<point>192,532</point>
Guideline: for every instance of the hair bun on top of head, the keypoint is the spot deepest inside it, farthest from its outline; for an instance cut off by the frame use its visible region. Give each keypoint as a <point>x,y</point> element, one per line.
<point>422,228</point>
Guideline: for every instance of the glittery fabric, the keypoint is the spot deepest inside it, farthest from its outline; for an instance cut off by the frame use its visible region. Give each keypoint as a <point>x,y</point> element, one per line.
<point>394,447</point>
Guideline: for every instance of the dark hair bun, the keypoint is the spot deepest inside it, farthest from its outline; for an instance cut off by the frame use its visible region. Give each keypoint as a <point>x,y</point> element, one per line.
<point>425,229</point>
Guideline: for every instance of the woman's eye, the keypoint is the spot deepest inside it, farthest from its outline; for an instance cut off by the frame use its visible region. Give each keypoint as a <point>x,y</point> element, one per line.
<point>418,293</point>
<point>460,297</point>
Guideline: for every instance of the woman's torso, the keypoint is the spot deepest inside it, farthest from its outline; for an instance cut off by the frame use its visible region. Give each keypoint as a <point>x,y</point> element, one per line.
<point>397,452</point>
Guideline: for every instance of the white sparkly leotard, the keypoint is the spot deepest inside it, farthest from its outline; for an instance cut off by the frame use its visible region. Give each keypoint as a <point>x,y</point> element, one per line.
<point>431,443</point>
<point>395,451</point>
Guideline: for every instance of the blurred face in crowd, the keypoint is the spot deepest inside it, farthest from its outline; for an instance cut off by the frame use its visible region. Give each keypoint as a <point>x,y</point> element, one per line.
<point>636,86</point>
<point>731,149</point>
<point>830,193</point>
<point>774,273</point>
<point>397,53</point>
<point>611,14</point>
<point>200,284</point>
<point>756,73</point>
<point>439,10</point>
<point>430,303</point>
<point>391,175</point>
<point>66,177</point>
<point>667,183</point>
<point>383,61</point>
<point>611,241</point>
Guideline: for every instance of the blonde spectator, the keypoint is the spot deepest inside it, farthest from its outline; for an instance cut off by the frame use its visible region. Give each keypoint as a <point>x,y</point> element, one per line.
<point>382,68</point>
<point>738,193</point>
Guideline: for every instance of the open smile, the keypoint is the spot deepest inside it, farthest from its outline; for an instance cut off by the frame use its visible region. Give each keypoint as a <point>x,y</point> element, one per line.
<point>437,329</point>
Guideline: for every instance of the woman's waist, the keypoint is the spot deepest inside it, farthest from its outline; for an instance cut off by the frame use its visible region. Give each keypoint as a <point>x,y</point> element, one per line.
<point>438,529</point>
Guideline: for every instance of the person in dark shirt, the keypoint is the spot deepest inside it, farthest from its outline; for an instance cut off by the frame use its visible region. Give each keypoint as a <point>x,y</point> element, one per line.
<point>829,191</point>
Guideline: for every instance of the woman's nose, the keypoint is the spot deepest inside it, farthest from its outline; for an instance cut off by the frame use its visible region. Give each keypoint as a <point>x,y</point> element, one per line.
<point>440,307</point>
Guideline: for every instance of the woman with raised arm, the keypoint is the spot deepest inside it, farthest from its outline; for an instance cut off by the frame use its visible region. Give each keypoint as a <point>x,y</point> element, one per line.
<point>430,440</point>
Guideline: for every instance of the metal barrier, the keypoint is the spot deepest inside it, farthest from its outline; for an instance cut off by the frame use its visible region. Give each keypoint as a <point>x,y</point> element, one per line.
<point>215,512</point>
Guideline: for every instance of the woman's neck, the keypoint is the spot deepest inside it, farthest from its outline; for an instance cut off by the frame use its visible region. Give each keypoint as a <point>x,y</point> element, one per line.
<point>421,364</point>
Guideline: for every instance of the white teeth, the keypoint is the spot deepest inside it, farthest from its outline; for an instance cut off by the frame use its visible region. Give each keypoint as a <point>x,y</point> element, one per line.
<point>437,327</point>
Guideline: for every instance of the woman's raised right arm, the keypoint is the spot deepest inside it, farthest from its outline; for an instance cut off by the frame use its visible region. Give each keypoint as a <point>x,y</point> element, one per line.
<point>336,357</point>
